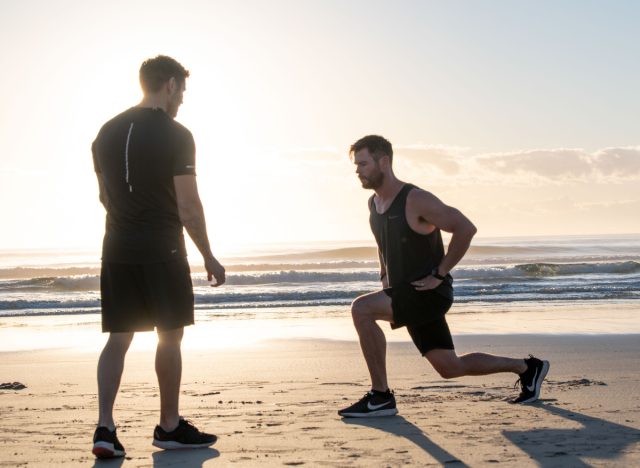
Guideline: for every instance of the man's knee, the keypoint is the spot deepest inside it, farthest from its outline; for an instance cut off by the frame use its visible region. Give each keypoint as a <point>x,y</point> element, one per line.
<point>448,372</point>
<point>360,311</point>
<point>120,341</point>
<point>448,366</point>
<point>170,337</point>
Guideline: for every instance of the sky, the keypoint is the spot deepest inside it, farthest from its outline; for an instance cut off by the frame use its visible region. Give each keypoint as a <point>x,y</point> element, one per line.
<point>523,115</point>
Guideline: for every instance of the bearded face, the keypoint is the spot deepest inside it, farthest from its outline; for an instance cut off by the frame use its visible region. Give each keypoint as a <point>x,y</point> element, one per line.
<point>373,179</point>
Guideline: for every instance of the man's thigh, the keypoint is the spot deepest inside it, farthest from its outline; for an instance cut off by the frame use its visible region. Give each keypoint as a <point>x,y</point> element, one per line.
<point>375,305</point>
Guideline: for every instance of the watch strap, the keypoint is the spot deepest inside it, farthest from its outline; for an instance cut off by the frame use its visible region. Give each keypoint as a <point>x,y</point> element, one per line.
<point>437,275</point>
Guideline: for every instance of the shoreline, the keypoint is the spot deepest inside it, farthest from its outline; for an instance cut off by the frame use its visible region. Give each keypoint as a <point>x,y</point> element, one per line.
<point>251,327</point>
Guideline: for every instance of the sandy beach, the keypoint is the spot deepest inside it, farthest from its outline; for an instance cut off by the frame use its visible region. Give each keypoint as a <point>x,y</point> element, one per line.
<point>274,404</point>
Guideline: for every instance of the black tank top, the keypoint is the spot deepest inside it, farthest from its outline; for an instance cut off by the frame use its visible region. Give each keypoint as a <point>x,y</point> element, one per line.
<point>407,255</point>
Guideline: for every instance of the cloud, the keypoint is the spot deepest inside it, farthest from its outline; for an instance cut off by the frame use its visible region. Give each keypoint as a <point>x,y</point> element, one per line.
<point>618,161</point>
<point>441,164</point>
<point>566,165</point>
<point>532,167</point>
<point>584,206</point>
<point>441,158</point>
<point>558,163</point>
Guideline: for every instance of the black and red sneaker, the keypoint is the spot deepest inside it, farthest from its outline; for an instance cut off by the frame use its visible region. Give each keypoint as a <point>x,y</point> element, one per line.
<point>106,444</point>
<point>185,436</point>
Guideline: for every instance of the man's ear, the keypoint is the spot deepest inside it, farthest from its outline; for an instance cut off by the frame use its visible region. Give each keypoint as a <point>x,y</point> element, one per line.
<point>385,162</point>
<point>172,86</point>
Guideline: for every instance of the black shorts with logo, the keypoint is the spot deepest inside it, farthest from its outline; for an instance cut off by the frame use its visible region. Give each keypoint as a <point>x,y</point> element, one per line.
<point>141,297</point>
<point>423,313</point>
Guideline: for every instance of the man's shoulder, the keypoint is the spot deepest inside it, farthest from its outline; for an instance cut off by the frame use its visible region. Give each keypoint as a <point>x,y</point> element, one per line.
<point>418,195</point>
<point>181,130</point>
<point>115,121</point>
<point>415,190</point>
<point>125,114</point>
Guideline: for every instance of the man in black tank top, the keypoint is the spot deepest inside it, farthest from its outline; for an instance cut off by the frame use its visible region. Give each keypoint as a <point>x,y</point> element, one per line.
<point>145,165</point>
<point>417,289</point>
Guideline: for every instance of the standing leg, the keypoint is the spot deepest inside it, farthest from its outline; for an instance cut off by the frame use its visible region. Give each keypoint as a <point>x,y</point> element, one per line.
<point>173,432</point>
<point>110,367</point>
<point>169,372</point>
<point>365,310</point>
<point>380,400</point>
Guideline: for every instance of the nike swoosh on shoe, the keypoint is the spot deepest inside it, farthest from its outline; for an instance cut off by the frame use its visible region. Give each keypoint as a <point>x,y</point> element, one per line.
<point>377,407</point>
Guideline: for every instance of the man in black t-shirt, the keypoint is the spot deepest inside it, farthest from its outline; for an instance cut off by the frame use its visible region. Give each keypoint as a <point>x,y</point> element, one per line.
<point>145,164</point>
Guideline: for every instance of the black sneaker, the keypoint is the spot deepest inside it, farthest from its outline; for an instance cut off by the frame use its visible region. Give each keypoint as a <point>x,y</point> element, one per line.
<point>106,444</point>
<point>531,380</point>
<point>185,436</point>
<point>373,404</point>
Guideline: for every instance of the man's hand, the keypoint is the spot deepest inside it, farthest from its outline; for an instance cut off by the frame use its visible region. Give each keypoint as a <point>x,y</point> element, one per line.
<point>426,283</point>
<point>214,270</point>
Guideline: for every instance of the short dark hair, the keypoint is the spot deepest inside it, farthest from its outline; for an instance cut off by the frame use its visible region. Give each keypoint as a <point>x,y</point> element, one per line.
<point>378,147</point>
<point>155,72</point>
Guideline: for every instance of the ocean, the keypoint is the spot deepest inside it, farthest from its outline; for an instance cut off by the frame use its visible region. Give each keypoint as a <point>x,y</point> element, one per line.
<point>320,280</point>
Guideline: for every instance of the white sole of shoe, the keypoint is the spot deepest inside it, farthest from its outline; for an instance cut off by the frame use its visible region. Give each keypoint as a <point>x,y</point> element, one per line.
<point>539,380</point>
<point>106,450</point>
<point>372,414</point>
<point>173,445</point>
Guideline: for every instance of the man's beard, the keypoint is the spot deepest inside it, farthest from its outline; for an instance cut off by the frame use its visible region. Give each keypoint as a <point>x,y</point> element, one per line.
<point>374,181</point>
<point>173,105</point>
<point>172,110</point>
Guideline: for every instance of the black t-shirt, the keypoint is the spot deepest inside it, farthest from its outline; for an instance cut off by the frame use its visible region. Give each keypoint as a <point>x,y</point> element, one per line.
<point>137,153</point>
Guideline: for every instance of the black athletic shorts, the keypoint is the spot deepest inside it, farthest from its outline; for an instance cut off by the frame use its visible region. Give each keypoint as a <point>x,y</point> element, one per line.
<point>141,297</point>
<point>423,313</point>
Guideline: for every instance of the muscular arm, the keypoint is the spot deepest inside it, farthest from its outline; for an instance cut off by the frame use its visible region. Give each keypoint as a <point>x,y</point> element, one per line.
<point>191,212</point>
<point>430,209</point>
<point>192,217</point>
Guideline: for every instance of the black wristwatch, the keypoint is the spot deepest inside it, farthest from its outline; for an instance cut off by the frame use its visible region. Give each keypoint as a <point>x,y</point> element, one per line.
<point>435,274</point>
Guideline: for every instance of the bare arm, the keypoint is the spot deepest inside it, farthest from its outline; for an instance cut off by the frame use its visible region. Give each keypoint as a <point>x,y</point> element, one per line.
<point>448,219</point>
<point>192,217</point>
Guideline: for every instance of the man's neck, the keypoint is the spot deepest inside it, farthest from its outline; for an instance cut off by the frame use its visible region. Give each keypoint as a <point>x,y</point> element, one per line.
<point>153,102</point>
<point>389,188</point>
